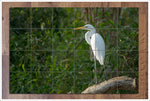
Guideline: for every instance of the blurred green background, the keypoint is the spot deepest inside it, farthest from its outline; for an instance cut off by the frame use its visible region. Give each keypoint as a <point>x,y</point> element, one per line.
<point>48,56</point>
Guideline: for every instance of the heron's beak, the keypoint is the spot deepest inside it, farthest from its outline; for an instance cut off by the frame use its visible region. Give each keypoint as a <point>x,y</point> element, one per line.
<point>78,28</point>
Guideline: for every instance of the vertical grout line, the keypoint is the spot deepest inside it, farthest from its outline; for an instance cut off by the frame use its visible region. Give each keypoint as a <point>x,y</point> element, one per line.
<point>52,46</point>
<point>95,71</point>
<point>28,43</point>
<point>117,44</point>
<point>95,65</point>
<point>31,45</point>
<point>103,66</point>
<point>74,9</point>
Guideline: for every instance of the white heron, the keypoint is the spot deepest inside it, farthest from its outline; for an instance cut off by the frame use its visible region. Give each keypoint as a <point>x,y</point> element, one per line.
<point>97,44</point>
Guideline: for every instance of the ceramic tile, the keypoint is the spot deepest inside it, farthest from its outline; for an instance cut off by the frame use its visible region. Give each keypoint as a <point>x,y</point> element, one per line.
<point>42,17</point>
<point>20,61</point>
<point>42,82</point>
<point>128,39</point>
<point>63,39</point>
<point>41,61</point>
<point>19,39</point>
<point>41,39</point>
<point>60,15</point>
<point>128,61</point>
<point>129,18</point>
<point>63,82</point>
<point>63,61</point>
<point>20,82</point>
<point>20,18</point>
<point>86,82</point>
<point>84,61</point>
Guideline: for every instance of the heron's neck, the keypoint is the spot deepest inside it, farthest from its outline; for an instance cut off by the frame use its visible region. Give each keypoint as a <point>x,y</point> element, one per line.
<point>88,36</point>
<point>92,31</point>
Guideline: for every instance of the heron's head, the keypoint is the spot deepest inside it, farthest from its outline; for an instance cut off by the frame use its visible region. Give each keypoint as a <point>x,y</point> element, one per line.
<point>86,27</point>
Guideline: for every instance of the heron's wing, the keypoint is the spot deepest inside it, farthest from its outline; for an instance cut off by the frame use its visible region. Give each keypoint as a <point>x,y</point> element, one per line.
<point>98,47</point>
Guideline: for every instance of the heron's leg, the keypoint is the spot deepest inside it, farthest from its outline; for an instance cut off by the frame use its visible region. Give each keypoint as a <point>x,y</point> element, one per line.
<point>95,77</point>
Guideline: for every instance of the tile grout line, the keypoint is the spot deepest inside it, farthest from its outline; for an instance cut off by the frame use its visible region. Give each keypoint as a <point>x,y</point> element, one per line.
<point>74,53</point>
<point>52,47</point>
<point>31,43</point>
<point>104,57</point>
<point>117,44</point>
<point>68,28</point>
<point>28,30</point>
<point>95,77</point>
<point>77,50</point>
<point>66,71</point>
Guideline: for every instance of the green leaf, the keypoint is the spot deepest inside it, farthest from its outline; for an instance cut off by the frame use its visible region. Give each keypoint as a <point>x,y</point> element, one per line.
<point>34,80</point>
<point>23,67</point>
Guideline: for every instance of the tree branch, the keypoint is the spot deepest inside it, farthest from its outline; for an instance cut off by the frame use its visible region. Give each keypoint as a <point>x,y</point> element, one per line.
<point>120,83</point>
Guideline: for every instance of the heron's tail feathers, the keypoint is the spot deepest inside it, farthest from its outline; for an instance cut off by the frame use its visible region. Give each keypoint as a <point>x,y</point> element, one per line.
<point>101,62</point>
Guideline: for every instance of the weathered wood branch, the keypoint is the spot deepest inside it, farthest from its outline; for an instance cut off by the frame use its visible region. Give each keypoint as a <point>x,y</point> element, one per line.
<point>120,83</point>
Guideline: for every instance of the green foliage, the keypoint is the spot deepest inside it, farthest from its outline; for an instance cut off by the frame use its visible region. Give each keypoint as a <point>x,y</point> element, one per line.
<point>42,17</point>
<point>20,18</point>
<point>48,56</point>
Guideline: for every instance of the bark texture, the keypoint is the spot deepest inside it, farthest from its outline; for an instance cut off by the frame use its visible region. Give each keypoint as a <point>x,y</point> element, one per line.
<point>120,83</point>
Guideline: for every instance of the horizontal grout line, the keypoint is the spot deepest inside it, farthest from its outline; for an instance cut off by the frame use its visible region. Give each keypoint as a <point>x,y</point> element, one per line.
<point>67,50</point>
<point>68,71</point>
<point>69,28</point>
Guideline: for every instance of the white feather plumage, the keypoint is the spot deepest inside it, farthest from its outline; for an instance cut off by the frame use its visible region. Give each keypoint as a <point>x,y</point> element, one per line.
<point>98,47</point>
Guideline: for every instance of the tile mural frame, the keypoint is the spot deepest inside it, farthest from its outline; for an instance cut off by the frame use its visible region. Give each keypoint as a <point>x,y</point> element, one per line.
<point>143,50</point>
